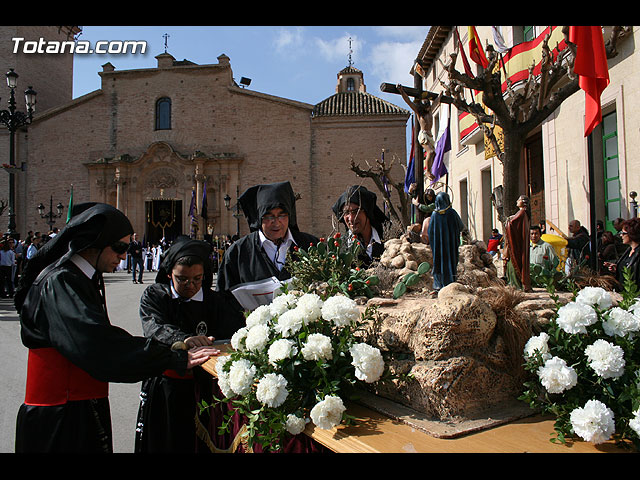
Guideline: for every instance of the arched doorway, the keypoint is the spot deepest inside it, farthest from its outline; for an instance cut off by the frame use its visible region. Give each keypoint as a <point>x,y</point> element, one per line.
<point>163,220</point>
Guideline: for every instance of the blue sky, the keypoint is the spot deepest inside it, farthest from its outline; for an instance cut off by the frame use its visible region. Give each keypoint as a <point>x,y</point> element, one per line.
<point>295,62</point>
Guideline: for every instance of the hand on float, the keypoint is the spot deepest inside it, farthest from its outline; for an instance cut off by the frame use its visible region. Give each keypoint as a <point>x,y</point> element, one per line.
<point>199,355</point>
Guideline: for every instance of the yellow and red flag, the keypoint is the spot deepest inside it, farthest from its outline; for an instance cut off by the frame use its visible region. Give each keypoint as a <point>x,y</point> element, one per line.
<point>476,51</point>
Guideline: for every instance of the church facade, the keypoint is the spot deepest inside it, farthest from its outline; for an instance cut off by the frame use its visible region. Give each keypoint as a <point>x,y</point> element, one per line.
<point>152,141</point>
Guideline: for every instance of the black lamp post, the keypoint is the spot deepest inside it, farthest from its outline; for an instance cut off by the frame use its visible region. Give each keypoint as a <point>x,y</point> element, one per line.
<point>14,120</point>
<point>238,210</point>
<point>50,215</point>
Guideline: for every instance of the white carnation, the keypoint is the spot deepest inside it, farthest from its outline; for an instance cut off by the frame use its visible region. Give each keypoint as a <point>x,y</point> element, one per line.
<point>556,376</point>
<point>620,322</point>
<point>594,422</point>
<point>539,343</point>
<point>257,338</point>
<point>317,347</point>
<point>367,361</point>
<point>223,377</point>
<point>328,413</point>
<point>260,316</point>
<point>606,359</point>
<point>282,303</point>
<point>237,339</point>
<point>310,307</point>
<point>575,317</point>
<point>634,423</point>
<point>281,349</point>
<point>340,310</point>
<point>295,424</point>
<point>272,390</point>
<point>241,375</point>
<point>595,296</point>
<point>289,323</point>
<point>635,308</point>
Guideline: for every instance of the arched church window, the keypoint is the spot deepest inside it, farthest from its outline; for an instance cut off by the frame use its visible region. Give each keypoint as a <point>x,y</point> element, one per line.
<point>163,114</point>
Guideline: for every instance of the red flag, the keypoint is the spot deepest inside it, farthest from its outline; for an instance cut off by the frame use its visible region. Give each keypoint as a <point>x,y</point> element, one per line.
<point>592,68</point>
<point>475,49</point>
<point>465,62</point>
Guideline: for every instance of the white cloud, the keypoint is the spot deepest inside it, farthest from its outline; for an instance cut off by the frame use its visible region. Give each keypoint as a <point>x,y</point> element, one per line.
<point>392,61</point>
<point>338,48</point>
<point>289,40</point>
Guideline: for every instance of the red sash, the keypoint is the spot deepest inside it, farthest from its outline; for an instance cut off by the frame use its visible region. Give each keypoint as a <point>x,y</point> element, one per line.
<point>174,374</point>
<point>54,380</point>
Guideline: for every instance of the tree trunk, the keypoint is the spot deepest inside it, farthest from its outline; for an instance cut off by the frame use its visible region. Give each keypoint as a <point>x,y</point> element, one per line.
<point>511,162</point>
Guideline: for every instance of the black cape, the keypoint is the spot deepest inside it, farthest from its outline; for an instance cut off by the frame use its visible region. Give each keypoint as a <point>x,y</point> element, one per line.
<point>167,414</point>
<point>65,310</point>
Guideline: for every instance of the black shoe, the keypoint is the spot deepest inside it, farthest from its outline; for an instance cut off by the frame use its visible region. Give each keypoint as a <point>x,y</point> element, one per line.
<point>135,281</point>
<point>140,281</point>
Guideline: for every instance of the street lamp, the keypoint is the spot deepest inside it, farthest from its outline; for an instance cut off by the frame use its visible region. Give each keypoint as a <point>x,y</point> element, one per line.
<point>50,215</point>
<point>13,120</point>
<point>236,207</point>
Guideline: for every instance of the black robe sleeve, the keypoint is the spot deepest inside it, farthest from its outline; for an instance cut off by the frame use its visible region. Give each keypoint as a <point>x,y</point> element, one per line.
<point>65,311</point>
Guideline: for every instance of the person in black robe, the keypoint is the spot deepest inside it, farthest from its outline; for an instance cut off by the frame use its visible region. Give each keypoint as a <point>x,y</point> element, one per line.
<point>74,350</point>
<point>271,213</point>
<point>356,208</point>
<point>180,307</point>
<point>445,228</point>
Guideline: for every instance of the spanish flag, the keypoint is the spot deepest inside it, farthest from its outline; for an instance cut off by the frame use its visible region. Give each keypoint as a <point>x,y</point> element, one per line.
<point>475,49</point>
<point>591,66</point>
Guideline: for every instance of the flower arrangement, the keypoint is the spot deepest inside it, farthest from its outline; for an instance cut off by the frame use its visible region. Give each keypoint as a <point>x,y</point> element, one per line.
<point>334,264</point>
<point>294,363</point>
<point>586,367</point>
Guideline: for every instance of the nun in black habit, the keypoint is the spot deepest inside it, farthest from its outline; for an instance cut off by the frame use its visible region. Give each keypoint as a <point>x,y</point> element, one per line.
<point>74,351</point>
<point>270,211</point>
<point>357,210</point>
<point>180,307</point>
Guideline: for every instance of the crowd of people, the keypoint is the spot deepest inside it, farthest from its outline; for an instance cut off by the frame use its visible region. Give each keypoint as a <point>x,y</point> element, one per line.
<point>75,351</point>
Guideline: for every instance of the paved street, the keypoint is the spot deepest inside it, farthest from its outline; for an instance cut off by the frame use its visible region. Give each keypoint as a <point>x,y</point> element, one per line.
<point>123,298</point>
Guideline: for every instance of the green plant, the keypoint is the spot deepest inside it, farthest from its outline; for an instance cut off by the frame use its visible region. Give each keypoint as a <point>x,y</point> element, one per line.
<point>334,263</point>
<point>410,279</point>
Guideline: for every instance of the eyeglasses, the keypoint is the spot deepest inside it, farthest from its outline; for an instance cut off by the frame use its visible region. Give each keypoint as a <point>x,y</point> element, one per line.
<point>272,218</point>
<point>186,281</point>
<point>119,247</point>
<point>352,211</point>
<point>624,233</point>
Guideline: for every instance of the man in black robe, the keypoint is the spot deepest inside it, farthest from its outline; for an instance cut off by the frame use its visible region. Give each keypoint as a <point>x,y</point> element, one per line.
<point>180,307</point>
<point>356,208</point>
<point>74,351</point>
<point>271,213</point>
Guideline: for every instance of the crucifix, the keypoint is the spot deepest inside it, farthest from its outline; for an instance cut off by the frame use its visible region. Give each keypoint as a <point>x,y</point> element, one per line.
<point>423,105</point>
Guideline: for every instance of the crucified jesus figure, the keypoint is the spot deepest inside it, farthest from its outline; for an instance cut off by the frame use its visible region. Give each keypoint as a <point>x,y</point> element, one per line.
<point>422,109</point>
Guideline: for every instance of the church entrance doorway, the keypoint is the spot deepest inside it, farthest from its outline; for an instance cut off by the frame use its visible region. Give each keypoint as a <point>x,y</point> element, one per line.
<point>535,177</point>
<point>164,220</point>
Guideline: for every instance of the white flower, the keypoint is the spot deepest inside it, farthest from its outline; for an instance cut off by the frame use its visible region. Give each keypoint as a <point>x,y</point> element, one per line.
<point>281,349</point>
<point>237,339</point>
<point>260,316</point>
<point>575,317</point>
<point>295,424</point>
<point>241,375</point>
<point>595,296</point>
<point>223,377</point>
<point>594,422</point>
<point>606,359</point>
<point>257,338</point>
<point>340,310</point>
<point>310,306</point>
<point>272,390</point>
<point>317,347</point>
<point>635,308</point>
<point>539,343</point>
<point>634,423</point>
<point>328,413</point>
<point>368,362</point>
<point>556,376</point>
<point>289,323</point>
<point>282,303</point>
<point>620,322</point>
